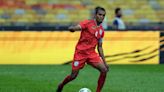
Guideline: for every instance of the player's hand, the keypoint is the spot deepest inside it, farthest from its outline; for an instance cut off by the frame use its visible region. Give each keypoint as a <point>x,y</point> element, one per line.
<point>71,29</point>
<point>74,28</point>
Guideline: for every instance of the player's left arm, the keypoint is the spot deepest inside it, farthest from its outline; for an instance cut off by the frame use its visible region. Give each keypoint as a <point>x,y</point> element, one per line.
<point>100,50</point>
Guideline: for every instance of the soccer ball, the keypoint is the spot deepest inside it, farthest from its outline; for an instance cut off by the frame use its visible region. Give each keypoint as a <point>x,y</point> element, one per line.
<point>84,90</point>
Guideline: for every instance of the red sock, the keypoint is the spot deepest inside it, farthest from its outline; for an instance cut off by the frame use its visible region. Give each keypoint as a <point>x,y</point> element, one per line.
<point>66,80</point>
<point>101,81</point>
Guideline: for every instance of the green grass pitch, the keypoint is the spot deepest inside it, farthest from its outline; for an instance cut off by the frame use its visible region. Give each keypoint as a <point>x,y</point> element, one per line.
<point>44,78</point>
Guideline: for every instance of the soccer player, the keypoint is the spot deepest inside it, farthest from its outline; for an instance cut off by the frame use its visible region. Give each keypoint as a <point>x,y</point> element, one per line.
<point>92,34</point>
<point>118,23</point>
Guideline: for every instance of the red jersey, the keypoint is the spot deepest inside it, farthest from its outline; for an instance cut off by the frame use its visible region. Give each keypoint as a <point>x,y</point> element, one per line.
<point>90,35</point>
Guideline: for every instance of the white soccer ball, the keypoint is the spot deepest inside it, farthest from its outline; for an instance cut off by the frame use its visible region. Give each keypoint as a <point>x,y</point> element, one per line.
<point>84,90</point>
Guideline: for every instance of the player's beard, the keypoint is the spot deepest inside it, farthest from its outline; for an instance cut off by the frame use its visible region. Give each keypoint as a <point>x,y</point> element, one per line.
<point>99,21</point>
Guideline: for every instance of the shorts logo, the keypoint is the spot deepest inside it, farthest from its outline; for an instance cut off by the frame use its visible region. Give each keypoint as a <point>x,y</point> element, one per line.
<point>76,63</point>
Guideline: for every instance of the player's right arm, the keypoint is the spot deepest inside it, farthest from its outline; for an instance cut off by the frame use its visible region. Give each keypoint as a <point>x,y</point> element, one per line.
<point>79,27</point>
<point>74,28</point>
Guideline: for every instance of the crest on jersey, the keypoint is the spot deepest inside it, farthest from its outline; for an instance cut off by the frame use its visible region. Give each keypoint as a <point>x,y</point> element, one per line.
<point>100,32</point>
<point>76,63</point>
<point>96,34</point>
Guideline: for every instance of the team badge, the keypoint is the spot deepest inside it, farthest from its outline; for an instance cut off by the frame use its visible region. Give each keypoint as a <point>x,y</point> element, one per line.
<point>100,32</point>
<point>96,33</point>
<point>76,63</point>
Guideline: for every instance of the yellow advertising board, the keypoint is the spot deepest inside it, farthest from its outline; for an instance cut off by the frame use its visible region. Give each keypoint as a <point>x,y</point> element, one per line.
<point>57,47</point>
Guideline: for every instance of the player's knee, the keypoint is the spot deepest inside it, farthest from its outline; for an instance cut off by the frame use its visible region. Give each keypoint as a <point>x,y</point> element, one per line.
<point>104,70</point>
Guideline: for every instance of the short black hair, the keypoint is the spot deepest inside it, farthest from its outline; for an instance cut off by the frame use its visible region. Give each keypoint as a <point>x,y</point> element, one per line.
<point>99,8</point>
<point>117,10</point>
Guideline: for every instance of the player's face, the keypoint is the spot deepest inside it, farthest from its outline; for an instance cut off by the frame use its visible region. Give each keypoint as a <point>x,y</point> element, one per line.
<point>100,16</point>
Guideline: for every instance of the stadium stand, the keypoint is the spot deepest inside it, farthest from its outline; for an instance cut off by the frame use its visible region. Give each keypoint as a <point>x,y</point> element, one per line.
<point>66,11</point>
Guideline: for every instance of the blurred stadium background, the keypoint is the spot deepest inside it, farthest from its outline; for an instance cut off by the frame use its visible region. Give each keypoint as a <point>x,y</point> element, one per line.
<point>142,14</point>
<point>34,32</point>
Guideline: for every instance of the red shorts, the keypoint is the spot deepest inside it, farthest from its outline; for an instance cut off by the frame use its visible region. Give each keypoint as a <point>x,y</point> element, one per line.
<point>79,64</point>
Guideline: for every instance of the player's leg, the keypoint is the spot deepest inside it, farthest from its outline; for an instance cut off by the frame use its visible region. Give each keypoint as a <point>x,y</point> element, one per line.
<point>76,66</point>
<point>103,72</point>
<point>69,78</point>
<point>99,65</point>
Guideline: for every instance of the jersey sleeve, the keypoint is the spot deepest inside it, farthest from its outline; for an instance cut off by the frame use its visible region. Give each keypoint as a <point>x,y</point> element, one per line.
<point>102,36</point>
<point>102,31</point>
<point>83,24</point>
